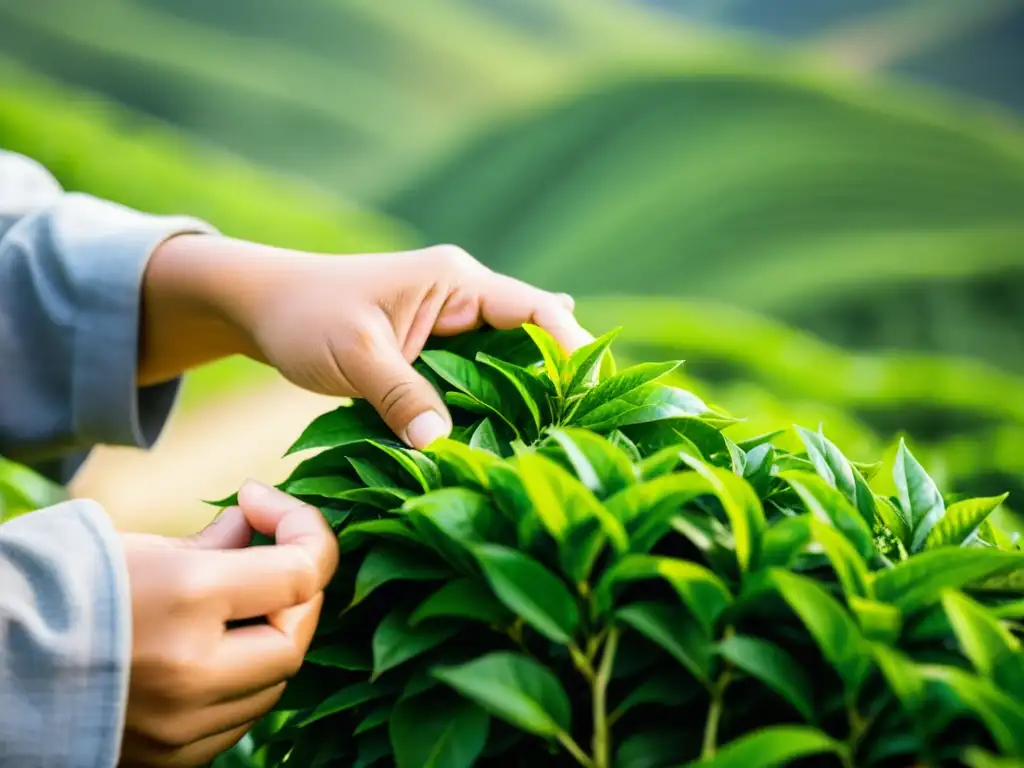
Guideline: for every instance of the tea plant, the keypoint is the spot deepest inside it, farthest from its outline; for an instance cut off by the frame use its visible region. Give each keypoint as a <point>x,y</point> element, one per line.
<point>590,571</point>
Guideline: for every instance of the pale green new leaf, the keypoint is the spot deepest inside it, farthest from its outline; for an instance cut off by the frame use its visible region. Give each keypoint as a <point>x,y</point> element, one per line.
<point>919,497</point>
<point>742,507</point>
<point>919,581</point>
<point>770,747</point>
<point>621,384</point>
<point>961,521</point>
<point>554,356</point>
<point>585,362</point>
<point>601,466</point>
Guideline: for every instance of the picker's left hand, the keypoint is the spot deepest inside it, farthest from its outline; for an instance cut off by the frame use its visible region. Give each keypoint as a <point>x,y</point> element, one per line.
<point>346,326</point>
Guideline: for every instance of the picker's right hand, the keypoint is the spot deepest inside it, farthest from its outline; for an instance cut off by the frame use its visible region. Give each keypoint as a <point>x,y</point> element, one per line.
<point>196,685</point>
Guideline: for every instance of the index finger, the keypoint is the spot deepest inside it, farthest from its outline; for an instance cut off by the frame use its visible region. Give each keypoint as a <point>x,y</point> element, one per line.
<point>259,581</point>
<point>507,303</point>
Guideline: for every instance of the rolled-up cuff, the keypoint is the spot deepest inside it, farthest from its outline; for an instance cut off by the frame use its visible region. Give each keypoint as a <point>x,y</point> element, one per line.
<point>108,406</point>
<point>65,638</point>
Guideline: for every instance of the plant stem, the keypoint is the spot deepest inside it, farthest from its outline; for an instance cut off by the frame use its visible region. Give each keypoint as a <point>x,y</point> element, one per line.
<point>715,714</point>
<point>574,749</point>
<point>582,662</point>
<point>602,734</point>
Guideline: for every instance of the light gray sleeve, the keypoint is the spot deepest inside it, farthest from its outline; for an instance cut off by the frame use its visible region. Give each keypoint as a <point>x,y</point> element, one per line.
<point>71,269</point>
<point>65,639</point>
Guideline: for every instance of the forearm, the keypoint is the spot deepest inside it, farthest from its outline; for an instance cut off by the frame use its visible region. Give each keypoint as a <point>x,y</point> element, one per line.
<point>65,639</point>
<point>201,295</point>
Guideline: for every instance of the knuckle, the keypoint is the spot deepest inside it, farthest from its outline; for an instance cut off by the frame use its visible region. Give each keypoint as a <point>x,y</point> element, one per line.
<point>190,586</point>
<point>395,394</point>
<point>305,578</point>
<point>452,257</point>
<point>172,732</point>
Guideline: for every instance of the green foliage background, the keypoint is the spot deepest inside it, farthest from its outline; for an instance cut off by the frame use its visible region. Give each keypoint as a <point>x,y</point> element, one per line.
<point>604,149</point>
<point>819,247</point>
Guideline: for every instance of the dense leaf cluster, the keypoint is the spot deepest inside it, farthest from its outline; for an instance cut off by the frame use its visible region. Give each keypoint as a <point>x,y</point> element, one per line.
<point>590,570</point>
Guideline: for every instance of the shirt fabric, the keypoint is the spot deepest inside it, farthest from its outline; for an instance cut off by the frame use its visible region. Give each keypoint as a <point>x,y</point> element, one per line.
<point>71,269</point>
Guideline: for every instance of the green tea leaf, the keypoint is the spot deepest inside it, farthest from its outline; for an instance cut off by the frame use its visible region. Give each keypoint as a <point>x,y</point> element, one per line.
<point>554,356</point>
<point>344,425</point>
<point>395,640</point>
<point>961,520</point>
<point>561,501</point>
<point>701,591</point>
<point>666,460</point>
<point>352,536</point>
<point>375,719</point>
<point>371,475</point>
<point>829,624</point>
<point>585,362</point>
<point>785,540</point>
<point>893,519</point>
<point>463,599</point>
<point>341,657</point>
<point>993,650</point>
<point>389,562</point>
<point>466,376</point>
<point>664,688</point>
<point>484,438</point>
<point>416,464</point>
<point>901,675</point>
<point>347,698</point>
<point>772,746</point>
<point>741,506</point>
<point>831,507</point>
<point>529,590</point>
<point>840,473</point>
<point>437,732</point>
<point>753,442</point>
<point>621,384</point>
<point>919,581</point>
<point>647,403</point>
<point>529,388</point>
<point>878,621</point>
<point>599,465</point>
<point>653,436</point>
<point>772,666</point>
<point>515,688</point>
<point>470,465</point>
<point>675,631</point>
<point>1001,715</point>
<point>850,569</point>
<point>450,521</point>
<point>919,497</point>
<point>324,487</point>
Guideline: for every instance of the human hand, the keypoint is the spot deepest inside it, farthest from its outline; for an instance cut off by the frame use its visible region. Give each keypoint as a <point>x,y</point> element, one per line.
<point>196,687</point>
<point>351,326</point>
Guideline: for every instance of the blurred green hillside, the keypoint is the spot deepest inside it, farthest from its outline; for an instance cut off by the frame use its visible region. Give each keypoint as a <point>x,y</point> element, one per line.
<point>351,93</point>
<point>810,242</point>
<point>101,148</point>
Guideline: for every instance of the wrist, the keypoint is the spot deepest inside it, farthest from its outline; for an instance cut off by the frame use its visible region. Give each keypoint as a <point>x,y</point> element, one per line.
<point>190,306</point>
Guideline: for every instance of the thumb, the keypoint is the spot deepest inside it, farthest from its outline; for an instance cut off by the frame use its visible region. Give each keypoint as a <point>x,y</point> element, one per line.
<point>230,530</point>
<point>406,401</point>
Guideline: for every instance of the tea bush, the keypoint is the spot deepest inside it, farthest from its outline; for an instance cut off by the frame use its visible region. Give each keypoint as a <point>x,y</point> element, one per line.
<point>590,571</point>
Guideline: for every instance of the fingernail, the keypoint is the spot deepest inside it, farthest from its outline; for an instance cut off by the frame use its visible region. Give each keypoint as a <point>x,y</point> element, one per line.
<point>425,429</point>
